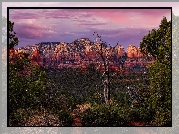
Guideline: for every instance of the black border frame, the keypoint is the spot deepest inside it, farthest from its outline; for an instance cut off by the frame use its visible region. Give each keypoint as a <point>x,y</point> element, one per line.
<point>8,8</point>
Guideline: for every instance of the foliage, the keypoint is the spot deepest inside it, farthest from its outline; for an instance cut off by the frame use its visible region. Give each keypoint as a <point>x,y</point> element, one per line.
<point>65,118</point>
<point>13,40</point>
<point>161,91</point>
<point>105,115</point>
<point>27,83</point>
<point>135,97</point>
<point>75,87</point>
<point>27,90</point>
<point>158,44</point>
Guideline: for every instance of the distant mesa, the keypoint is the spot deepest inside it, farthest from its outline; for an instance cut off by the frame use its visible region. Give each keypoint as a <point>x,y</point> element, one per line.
<point>82,45</point>
<point>78,52</point>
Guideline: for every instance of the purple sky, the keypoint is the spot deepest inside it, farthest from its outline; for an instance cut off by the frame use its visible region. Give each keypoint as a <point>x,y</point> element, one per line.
<point>128,26</point>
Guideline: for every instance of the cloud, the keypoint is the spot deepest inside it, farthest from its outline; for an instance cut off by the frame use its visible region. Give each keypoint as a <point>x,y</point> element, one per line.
<point>125,36</point>
<point>124,25</point>
<point>29,30</point>
<point>22,14</point>
<point>137,17</point>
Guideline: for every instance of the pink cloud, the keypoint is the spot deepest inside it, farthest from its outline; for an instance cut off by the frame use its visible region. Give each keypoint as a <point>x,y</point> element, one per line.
<point>31,31</point>
<point>53,25</point>
<point>121,16</point>
<point>145,16</point>
<point>22,14</point>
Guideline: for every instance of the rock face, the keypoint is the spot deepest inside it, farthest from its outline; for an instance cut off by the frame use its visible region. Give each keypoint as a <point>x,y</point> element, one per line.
<point>62,48</point>
<point>11,53</point>
<point>36,58</point>
<point>91,55</point>
<point>87,48</point>
<point>132,51</point>
<point>139,53</point>
<point>80,51</point>
<point>120,51</point>
<point>36,55</point>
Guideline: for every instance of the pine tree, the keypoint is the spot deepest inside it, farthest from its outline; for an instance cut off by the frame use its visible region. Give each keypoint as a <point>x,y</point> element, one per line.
<point>158,45</point>
<point>27,83</point>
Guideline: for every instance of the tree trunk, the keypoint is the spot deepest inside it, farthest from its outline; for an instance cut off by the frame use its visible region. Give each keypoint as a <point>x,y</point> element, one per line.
<point>105,91</point>
<point>107,88</point>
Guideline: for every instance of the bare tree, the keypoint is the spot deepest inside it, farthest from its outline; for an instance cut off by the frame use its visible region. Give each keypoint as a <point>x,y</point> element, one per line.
<point>106,53</point>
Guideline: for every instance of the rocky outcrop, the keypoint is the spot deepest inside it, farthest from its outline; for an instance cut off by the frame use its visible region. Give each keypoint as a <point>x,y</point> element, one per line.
<point>62,48</point>
<point>36,55</point>
<point>36,59</point>
<point>120,51</point>
<point>11,53</point>
<point>80,51</point>
<point>139,54</point>
<point>132,51</point>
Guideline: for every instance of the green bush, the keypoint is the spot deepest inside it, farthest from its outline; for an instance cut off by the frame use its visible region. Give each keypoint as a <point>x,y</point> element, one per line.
<point>105,115</point>
<point>141,114</point>
<point>96,98</point>
<point>16,119</point>
<point>26,91</point>
<point>159,98</point>
<point>65,118</point>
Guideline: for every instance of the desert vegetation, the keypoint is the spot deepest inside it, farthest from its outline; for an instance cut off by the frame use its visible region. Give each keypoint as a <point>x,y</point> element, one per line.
<point>49,97</point>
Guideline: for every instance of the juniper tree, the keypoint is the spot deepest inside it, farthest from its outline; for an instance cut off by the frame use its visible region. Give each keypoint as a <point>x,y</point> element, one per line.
<point>27,83</point>
<point>13,40</point>
<point>157,43</point>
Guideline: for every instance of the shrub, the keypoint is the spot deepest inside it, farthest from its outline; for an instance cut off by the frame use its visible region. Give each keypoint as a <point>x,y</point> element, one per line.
<point>26,91</point>
<point>105,115</point>
<point>65,118</point>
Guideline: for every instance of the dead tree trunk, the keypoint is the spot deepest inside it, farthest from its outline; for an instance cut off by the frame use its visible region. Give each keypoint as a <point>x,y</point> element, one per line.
<point>106,81</point>
<point>105,92</point>
<point>105,55</point>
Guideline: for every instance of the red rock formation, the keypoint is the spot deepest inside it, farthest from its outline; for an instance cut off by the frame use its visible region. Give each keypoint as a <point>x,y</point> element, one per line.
<point>36,55</point>
<point>120,51</point>
<point>14,55</point>
<point>139,54</point>
<point>91,55</point>
<point>132,51</point>
<point>87,49</point>
<point>11,53</point>
<point>36,60</point>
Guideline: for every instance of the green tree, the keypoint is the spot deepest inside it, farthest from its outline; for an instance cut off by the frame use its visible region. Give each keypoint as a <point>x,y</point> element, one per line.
<point>158,45</point>
<point>27,83</point>
<point>13,40</point>
<point>175,78</point>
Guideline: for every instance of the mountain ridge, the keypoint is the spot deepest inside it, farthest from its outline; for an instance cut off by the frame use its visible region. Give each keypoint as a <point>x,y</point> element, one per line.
<point>80,52</point>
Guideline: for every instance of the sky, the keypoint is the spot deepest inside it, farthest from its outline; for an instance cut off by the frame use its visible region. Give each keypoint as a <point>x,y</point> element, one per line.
<point>126,26</point>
